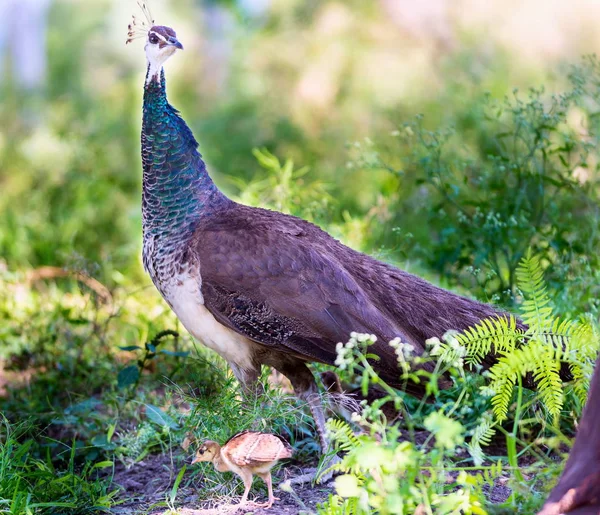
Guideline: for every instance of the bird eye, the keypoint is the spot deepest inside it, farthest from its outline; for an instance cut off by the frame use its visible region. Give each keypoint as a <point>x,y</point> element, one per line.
<point>153,39</point>
<point>201,451</point>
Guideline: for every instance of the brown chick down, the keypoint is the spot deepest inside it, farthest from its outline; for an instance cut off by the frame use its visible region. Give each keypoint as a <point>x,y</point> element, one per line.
<point>247,454</point>
<point>345,401</point>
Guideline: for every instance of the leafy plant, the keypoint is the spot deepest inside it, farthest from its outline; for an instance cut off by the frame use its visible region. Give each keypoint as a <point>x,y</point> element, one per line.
<point>540,348</point>
<point>129,377</point>
<point>30,485</point>
<point>500,177</point>
<point>283,187</point>
<point>388,476</point>
<point>138,442</point>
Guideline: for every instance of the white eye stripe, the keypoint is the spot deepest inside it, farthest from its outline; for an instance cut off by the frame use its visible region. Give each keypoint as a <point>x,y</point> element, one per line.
<point>160,36</point>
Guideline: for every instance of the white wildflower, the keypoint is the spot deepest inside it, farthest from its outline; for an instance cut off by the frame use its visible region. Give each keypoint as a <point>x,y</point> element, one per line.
<point>404,351</point>
<point>432,342</point>
<point>395,342</point>
<point>355,417</point>
<point>486,391</point>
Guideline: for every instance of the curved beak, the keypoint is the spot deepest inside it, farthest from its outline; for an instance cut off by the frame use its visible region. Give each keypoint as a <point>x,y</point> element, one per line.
<point>195,460</point>
<point>175,42</point>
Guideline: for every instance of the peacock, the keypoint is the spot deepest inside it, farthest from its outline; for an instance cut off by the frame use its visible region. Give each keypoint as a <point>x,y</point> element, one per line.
<point>260,287</point>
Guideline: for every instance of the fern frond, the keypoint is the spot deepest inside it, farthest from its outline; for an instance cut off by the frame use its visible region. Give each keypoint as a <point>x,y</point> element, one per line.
<point>492,473</point>
<point>556,336</point>
<point>503,387</point>
<point>337,505</point>
<point>344,439</point>
<point>585,339</point>
<point>548,342</point>
<point>504,375</point>
<point>547,375</point>
<point>536,309</point>
<point>581,382</point>
<point>342,435</point>
<point>498,335</point>
<point>482,436</point>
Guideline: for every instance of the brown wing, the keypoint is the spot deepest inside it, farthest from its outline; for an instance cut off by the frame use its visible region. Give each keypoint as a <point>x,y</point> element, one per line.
<point>250,448</point>
<point>278,281</point>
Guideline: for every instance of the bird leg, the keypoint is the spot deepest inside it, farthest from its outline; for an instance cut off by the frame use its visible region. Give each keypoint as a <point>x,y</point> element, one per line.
<point>316,408</point>
<point>249,380</point>
<point>246,476</point>
<point>305,387</point>
<point>266,477</point>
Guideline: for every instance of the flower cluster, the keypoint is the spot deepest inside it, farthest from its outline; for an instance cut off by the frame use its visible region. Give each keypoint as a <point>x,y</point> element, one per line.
<point>345,351</point>
<point>450,351</point>
<point>357,418</point>
<point>404,351</point>
<point>368,415</point>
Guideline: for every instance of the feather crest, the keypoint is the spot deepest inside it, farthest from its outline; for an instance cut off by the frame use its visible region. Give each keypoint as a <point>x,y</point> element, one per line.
<point>138,28</point>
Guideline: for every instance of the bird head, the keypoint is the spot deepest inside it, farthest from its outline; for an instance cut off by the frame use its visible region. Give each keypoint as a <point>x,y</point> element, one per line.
<point>207,452</point>
<point>161,41</point>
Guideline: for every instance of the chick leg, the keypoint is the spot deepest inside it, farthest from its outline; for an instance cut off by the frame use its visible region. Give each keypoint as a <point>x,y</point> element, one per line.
<point>266,477</point>
<point>246,476</point>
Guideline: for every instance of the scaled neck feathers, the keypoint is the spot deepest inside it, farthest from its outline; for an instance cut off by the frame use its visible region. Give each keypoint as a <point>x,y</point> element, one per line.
<point>177,190</point>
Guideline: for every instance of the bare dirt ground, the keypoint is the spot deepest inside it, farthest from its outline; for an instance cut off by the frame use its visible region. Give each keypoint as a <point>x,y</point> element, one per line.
<point>147,484</point>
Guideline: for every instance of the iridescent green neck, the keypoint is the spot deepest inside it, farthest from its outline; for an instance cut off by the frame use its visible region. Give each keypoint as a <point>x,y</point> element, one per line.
<point>177,190</point>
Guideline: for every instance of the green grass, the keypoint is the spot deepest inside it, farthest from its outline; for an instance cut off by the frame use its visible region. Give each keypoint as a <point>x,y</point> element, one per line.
<point>68,365</point>
<point>105,383</point>
<point>33,483</point>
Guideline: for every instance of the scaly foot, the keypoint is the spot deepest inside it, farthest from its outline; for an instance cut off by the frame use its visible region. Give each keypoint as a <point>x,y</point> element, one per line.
<point>267,504</point>
<point>321,475</point>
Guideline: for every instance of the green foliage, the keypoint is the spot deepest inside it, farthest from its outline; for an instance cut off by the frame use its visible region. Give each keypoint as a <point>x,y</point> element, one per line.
<point>481,436</point>
<point>283,188</point>
<point>30,485</point>
<point>138,442</point>
<point>386,471</point>
<point>388,476</point>
<point>338,505</point>
<point>447,432</point>
<point>131,374</point>
<point>501,177</point>
<point>540,349</point>
<point>78,389</point>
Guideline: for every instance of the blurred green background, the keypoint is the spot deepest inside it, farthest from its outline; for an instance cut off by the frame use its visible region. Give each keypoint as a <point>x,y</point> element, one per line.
<point>303,79</point>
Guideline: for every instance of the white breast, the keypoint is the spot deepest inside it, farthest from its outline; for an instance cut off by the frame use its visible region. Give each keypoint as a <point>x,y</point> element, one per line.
<point>185,297</point>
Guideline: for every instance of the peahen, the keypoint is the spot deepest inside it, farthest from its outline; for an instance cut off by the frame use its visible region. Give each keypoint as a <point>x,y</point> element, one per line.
<point>260,287</point>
